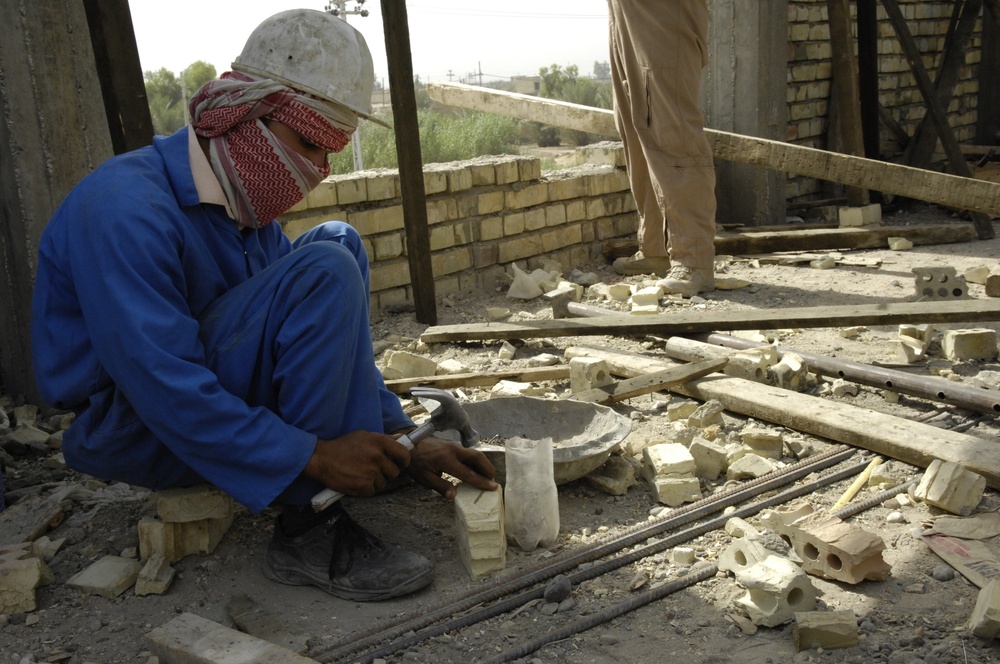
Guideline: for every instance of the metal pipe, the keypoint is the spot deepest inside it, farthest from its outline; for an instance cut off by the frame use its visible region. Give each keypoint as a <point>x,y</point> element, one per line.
<point>925,387</point>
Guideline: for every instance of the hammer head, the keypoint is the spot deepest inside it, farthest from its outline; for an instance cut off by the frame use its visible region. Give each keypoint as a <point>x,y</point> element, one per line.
<point>448,414</point>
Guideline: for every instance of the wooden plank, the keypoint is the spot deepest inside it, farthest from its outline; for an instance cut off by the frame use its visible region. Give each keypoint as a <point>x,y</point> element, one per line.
<point>687,322</point>
<point>404,385</point>
<point>411,170</point>
<point>951,190</point>
<point>191,639</point>
<point>868,75</point>
<point>762,240</point>
<point>651,382</point>
<point>912,442</point>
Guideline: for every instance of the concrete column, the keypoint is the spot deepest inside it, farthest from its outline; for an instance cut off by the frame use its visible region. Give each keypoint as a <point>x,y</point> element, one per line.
<point>743,91</point>
<point>55,130</point>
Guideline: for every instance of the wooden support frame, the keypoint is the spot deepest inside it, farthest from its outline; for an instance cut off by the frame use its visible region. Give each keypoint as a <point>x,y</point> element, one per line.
<point>411,170</point>
<point>934,107</point>
<point>845,102</point>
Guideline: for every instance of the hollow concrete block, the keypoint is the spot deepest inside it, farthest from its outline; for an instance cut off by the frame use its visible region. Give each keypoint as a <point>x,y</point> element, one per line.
<point>833,549</point>
<point>586,373</point>
<point>776,590</point>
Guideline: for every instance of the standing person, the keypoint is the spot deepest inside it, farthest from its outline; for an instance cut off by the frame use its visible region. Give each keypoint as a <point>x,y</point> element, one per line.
<point>658,49</point>
<point>196,343</point>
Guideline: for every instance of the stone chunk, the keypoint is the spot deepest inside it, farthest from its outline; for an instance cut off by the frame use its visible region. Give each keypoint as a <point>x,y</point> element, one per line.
<point>174,541</point>
<point>109,577</point>
<point>667,459</point>
<point>750,466</point>
<point>949,486</point>
<point>193,504</point>
<point>985,619</point>
<point>791,373</point>
<point>710,458</point>
<point>776,590</point>
<point>614,477</point>
<point>20,574</point>
<point>404,364</point>
<point>825,629</point>
<point>193,639</point>
<point>155,577</point>
<point>969,344</point>
<point>765,442</point>
<point>707,414</point>
<point>479,529</point>
<point>675,490</point>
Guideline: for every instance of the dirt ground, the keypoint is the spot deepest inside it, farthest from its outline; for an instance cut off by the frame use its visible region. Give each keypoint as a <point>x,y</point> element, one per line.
<point>917,615</point>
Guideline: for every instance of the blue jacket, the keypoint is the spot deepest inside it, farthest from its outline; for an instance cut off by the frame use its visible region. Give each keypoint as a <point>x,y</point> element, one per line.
<point>126,266</point>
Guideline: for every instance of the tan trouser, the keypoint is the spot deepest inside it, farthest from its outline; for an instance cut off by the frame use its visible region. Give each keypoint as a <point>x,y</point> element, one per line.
<point>658,49</point>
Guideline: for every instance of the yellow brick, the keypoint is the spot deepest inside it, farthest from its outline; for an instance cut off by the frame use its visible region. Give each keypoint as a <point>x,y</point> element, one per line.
<point>561,237</point>
<point>533,194</point>
<point>388,246</point>
<point>388,218</point>
<point>576,210</point>
<point>534,219</point>
<point>483,174</point>
<point>529,169</point>
<point>351,190</point>
<point>449,262</point>
<point>491,228</point>
<point>435,180</point>
<point>513,224</point>
<point>389,275</point>
<point>518,248</point>
<point>555,214</point>
<point>506,172</point>
<point>324,195</point>
<point>560,190</point>
<point>382,186</point>
<point>459,179</point>
<point>491,202</point>
<point>442,209</point>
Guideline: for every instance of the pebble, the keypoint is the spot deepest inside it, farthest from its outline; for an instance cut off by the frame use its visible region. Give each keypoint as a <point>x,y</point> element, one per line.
<point>609,639</point>
<point>915,589</point>
<point>867,626</point>
<point>558,589</point>
<point>895,517</point>
<point>943,573</point>
<point>567,604</point>
<point>549,608</point>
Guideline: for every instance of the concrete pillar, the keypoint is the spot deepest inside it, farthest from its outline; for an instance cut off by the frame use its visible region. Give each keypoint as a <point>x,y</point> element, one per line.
<point>743,91</point>
<point>55,130</point>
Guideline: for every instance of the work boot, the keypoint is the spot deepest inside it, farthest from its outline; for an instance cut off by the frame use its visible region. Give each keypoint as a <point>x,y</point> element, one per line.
<point>640,264</point>
<point>344,559</point>
<point>686,281</point>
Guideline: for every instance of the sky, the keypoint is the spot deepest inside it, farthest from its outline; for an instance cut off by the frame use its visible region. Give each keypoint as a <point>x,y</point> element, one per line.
<point>456,37</point>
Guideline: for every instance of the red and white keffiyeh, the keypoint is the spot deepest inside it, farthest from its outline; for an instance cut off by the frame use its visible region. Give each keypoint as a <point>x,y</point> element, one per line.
<point>261,176</point>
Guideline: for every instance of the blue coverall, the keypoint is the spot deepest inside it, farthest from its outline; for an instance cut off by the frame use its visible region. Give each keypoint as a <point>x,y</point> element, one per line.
<point>192,351</point>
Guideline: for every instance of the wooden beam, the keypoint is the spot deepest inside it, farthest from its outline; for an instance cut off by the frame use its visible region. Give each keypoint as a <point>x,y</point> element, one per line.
<point>909,441</point>
<point>963,193</point>
<point>411,170</point>
<point>867,22</point>
<point>488,379</point>
<point>963,22</point>
<point>687,322</point>
<point>649,382</point>
<point>845,96</point>
<point>774,239</point>
<point>935,108</point>
<point>117,58</point>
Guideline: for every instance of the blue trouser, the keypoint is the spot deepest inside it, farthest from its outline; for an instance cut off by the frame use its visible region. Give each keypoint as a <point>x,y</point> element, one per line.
<point>295,339</point>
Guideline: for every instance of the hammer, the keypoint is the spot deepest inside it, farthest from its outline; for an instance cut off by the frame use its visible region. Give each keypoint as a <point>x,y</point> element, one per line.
<point>446,414</point>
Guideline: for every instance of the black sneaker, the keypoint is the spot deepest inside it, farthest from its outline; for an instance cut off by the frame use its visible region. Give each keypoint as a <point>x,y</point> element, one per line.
<point>345,560</point>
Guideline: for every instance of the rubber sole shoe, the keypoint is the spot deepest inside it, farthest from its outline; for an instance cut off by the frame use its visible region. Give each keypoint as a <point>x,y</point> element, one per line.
<point>345,560</point>
<point>688,282</point>
<point>640,264</point>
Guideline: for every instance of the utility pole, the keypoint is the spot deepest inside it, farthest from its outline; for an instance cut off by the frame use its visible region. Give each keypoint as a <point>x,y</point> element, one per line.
<point>338,8</point>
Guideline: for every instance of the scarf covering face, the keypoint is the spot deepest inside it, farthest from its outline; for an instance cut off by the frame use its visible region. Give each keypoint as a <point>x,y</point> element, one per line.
<point>261,176</point>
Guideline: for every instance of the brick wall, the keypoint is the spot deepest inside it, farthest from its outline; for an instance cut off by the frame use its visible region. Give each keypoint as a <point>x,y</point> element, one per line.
<point>809,75</point>
<point>482,215</point>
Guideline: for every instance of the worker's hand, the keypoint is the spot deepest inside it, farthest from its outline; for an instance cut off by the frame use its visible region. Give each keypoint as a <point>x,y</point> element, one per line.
<point>357,464</point>
<point>433,456</point>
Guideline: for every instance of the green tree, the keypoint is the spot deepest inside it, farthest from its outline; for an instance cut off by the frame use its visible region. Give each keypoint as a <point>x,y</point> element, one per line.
<point>602,70</point>
<point>163,90</point>
<point>168,96</point>
<point>567,85</point>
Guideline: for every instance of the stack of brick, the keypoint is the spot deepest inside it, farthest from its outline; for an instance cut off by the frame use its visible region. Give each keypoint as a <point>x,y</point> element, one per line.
<point>670,469</point>
<point>188,521</point>
<point>479,528</point>
<point>22,571</point>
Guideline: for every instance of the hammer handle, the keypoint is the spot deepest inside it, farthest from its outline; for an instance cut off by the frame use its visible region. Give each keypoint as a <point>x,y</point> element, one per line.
<point>328,497</point>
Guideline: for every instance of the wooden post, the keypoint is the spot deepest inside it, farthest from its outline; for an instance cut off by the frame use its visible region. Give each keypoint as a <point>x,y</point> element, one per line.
<point>934,108</point>
<point>846,97</point>
<point>411,170</point>
<point>117,59</point>
<point>988,105</point>
<point>868,77</point>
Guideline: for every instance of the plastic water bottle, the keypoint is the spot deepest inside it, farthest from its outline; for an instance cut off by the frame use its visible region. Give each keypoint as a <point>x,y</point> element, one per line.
<point>531,501</point>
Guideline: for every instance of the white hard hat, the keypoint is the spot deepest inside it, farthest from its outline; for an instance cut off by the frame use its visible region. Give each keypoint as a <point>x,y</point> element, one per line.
<point>314,52</point>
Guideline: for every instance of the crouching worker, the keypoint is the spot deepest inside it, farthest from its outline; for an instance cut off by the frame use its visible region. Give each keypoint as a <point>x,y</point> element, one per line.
<point>196,343</point>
